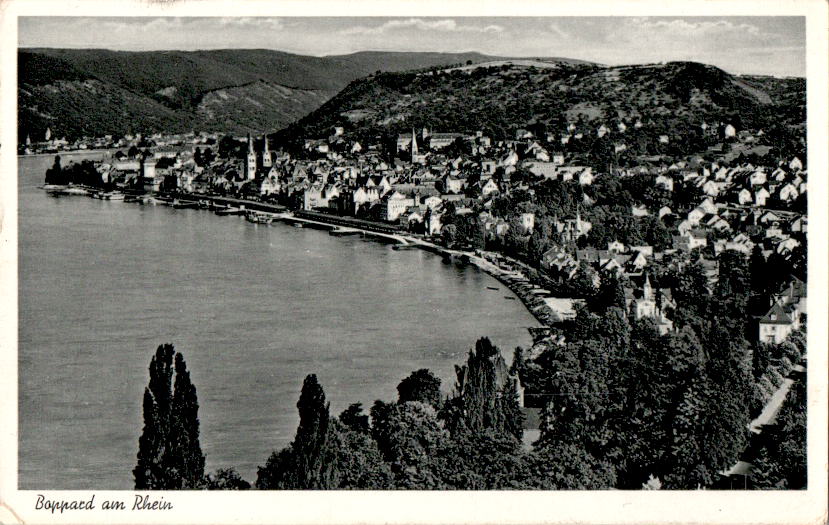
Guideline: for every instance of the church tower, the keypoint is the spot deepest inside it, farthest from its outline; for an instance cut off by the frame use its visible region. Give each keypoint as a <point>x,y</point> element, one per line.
<point>414,147</point>
<point>267,162</point>
<point>250,165</point>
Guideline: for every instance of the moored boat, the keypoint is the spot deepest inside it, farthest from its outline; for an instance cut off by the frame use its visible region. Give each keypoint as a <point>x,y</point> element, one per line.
<point>259,218</point>
<point>230,211</point>
<point>182,204</point>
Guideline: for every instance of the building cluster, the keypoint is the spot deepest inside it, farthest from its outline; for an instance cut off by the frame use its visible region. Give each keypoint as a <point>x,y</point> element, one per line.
<point>52,144</point>
<point>720,222</point>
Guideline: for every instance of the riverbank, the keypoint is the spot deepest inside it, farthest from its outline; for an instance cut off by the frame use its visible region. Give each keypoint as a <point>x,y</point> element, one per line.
<point>531,296</point>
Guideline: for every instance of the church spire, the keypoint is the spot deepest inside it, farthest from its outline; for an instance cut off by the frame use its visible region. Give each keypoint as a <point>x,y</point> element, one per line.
<point>414,146</point>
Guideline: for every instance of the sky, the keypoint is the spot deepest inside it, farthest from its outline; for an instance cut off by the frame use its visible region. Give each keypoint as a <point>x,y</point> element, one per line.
<point>740,45</point>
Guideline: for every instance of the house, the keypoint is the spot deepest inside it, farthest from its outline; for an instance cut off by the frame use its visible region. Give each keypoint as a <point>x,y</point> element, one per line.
<point>616,247</point>
<point>788,193</point>
<point>689,241</point>
<point>744,197</point>
<point>364,195</point>
<point>639,211</point>
<point>558,261</point>
<point>432,202</point>
<point>708,206</point>
<point>799,225</point>
<point>695,215</point>
<point>795,164</point>
<point>489,188</point>
<point>393,204</point>
<point>711,188</point>
<point>775,326</point>
<point>665,182</point>
<point>586,176</point>
<point>380,182</point>
<point>453,184</point>
<point>760,197</point>
<point>729,131</point>
<point>527,222</point>
<point>757,178</point>
<point>269,186</point>
<point>637,263</point>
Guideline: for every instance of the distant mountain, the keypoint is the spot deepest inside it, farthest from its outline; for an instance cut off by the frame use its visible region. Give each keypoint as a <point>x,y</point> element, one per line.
<point>500,98</point>
<point>79,92</point>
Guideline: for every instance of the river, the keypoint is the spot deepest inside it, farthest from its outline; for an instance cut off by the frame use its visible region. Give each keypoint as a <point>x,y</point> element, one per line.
<point>252,308</point>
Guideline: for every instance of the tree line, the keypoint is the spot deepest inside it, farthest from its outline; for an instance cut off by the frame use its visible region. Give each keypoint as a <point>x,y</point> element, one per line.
<point>625,408</point>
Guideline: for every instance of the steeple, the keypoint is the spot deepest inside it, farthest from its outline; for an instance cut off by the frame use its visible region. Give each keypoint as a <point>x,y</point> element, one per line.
<point>647,291</point>
<point>414,146</point>
<point>266,153</point>
<point>250,164</point>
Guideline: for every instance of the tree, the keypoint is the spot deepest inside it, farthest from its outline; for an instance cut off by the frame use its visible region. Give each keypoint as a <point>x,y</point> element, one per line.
<point>309,462</point>
<point>485,394</point>
<point>359,463</point>
<point>421,385</point>
<point>411,439</point>
<point>353,418</point>
<point>169,453</point>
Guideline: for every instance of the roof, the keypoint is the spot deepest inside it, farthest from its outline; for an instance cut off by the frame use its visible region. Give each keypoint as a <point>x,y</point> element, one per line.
<point>776,315</point>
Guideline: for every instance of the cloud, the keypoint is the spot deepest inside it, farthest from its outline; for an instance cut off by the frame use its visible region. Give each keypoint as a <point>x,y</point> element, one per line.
<point>251,22</point>
<point>695,28</point>
<point>446,25</point>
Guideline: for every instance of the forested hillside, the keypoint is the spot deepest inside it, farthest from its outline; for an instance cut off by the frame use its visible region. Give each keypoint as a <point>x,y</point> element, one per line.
<point>79,92</point>
<point>673,99</point>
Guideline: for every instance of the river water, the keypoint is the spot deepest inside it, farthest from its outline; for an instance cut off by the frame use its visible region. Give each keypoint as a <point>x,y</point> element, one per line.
<point>252,308</point>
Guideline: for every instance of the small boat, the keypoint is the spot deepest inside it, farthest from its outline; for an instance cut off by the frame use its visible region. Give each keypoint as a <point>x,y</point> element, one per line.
<point>230,211</point>
<point>259,218</point>
<point>510,298</point>
<point>492,288</point>
<point>54,187</point>
<point>297,225</point>
<point>182,204</point>
<point>113,196</point>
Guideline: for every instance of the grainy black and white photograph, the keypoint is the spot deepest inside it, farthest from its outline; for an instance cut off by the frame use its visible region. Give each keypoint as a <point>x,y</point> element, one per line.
<point>396,253</point>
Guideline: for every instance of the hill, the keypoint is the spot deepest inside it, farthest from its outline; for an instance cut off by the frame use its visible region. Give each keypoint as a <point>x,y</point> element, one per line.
<point>94,92</point>
<point>499,99</point>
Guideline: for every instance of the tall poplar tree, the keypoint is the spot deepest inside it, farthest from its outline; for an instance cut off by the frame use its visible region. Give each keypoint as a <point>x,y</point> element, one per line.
<point>169,453</point>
